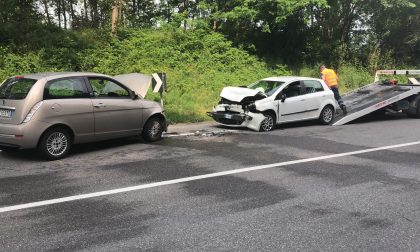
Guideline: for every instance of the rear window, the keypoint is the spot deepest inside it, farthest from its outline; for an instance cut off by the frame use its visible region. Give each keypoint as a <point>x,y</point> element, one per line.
<point>16,88</point>
<point>313,86</point>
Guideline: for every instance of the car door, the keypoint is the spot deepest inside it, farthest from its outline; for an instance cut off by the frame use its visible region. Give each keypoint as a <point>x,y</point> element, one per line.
<point>67,101</point>
<point>314,97</point>
<point>116,113</point>
<point>291,103</point>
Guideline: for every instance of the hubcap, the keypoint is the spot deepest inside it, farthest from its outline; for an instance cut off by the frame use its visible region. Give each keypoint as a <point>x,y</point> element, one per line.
<point>155,129</point>
<point>268,123</point>
<point>327,115</point>
<point>57,144</point>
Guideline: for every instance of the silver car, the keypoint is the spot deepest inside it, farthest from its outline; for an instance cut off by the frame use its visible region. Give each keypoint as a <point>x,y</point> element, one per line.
<point>53,111</point>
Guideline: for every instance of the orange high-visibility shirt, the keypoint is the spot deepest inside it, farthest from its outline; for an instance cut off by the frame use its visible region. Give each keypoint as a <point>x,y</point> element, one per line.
<point>330,77</point>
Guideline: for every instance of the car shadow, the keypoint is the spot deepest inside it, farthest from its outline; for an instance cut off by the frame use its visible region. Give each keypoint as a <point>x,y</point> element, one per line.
<point>277,127</point>
<point>105,145</point>
<point>21,155</point>
<point>33,155</point>
<point>379,117</point>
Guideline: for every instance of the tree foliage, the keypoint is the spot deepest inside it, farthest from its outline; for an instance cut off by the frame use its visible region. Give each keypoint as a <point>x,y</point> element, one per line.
<point>371,33</point>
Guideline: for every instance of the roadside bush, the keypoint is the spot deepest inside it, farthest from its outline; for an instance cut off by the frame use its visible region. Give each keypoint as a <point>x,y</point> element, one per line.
<point>198,63</point>
<point>351,77</point>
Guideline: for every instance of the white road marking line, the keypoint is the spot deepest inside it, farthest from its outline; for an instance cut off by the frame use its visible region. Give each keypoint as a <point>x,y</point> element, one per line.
<point>199,177</point>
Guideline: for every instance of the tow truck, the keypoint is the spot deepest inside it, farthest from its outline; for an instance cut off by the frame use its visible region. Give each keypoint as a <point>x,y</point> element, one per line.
<point>382,96</point>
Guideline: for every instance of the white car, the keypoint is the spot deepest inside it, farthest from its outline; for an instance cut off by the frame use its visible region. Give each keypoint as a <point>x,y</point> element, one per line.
<point>273,101</point>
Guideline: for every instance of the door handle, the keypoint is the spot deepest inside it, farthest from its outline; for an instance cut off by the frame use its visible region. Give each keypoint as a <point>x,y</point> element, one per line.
<point>99,105</point>
<point>303,100</point>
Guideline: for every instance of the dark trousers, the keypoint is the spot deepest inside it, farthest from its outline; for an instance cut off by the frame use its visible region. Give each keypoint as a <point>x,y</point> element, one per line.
<point>337,96</point>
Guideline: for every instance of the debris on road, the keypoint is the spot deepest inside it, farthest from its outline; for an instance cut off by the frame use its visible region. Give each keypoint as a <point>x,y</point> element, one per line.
<point>202,133</point>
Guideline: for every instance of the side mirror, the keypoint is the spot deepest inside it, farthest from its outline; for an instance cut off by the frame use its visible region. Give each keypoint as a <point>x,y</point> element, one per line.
<point>134,96</point>
<point>282,97</point>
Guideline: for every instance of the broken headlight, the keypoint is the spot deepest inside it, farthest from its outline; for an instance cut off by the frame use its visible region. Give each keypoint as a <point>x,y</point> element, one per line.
<point>252,108</point>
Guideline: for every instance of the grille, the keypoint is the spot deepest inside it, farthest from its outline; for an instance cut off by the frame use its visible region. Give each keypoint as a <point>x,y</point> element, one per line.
<point>229,121</point>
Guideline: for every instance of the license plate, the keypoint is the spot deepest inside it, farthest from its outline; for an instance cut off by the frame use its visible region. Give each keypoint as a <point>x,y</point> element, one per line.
<point>228,116</point>
<point>5,113</point>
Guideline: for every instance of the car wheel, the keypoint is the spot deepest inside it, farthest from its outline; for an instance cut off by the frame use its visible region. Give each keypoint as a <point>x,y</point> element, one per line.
<point>327,115</point>
<point>153,129</point>
<point>55,143</point>
<point>268,123</point>
<point>416,114</point>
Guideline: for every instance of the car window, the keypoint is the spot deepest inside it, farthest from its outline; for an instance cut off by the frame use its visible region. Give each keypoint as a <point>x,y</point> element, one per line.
<point>107,88</point>
<point>16,88</point>
<point>65,88</point>
<point>313,86</point>
<point>293,89</point>
<point>267,87</point>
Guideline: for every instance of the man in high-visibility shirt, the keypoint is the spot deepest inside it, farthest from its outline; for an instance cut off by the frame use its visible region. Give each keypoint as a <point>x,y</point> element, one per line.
<point>331,79</point>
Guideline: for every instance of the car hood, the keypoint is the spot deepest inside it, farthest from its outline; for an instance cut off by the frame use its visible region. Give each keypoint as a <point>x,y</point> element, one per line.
<point>237,94</point>
<point>139,83</point>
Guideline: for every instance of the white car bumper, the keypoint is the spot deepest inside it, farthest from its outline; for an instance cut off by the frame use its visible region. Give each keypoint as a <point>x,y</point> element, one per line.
<point>237,119</point>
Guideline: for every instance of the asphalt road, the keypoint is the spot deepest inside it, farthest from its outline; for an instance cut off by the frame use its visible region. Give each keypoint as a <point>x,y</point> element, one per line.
<point>363,201</point>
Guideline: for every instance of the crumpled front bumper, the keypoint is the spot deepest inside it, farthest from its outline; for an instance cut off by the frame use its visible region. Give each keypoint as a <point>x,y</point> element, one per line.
<point>238,119</point>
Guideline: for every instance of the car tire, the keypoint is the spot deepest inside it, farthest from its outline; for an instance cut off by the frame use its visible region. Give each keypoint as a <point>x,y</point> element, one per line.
<point>327,115</point>
<point>268,123</point>
<point>55,143</point>
<point>153,129</point>
<point>416,114</point>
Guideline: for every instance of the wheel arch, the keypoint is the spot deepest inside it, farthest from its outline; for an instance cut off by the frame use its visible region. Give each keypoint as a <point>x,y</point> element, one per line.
<point>325,105</point>
<point>156,115</point>
<point>272,112</point>
<point>58,125</point>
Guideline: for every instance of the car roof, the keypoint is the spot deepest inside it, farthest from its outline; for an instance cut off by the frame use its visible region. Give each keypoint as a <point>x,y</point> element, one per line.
<point>55,75</point>
<point>289,78</point>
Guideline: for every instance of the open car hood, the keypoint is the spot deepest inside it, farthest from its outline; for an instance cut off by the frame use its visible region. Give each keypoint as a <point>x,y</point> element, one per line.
<point>139,83</point>
<point>237,94</point>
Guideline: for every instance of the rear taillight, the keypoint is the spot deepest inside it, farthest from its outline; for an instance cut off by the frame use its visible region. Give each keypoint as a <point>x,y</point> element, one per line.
<point>33,111</point>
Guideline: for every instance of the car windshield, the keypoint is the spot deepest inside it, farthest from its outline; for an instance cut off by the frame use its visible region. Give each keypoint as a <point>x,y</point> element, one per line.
<point>266,87</point>
<point>16,88</point>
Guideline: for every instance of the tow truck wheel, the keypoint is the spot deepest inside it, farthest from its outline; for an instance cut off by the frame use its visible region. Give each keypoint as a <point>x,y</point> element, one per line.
<point>415,115</point>
<point>268,123</point>
<point>327,115</point>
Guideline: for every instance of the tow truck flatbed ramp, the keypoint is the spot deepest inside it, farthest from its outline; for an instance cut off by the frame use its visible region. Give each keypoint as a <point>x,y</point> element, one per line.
<point>375,96</point>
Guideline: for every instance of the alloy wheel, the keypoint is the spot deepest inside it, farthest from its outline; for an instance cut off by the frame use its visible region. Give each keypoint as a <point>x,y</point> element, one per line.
<point>268,123</point>
<point>327,115</point>
<point>155,129</point>
<point>57,143</point>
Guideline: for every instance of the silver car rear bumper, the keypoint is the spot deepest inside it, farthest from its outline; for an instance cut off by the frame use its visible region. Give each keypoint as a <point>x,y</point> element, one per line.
<point>22,136</point>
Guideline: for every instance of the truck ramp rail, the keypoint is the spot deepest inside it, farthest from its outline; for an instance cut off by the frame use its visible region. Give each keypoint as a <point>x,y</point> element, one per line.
<point>377,96</point>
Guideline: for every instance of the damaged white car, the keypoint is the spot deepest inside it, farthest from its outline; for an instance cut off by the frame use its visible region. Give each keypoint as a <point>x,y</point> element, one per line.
<point>271,101</point>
